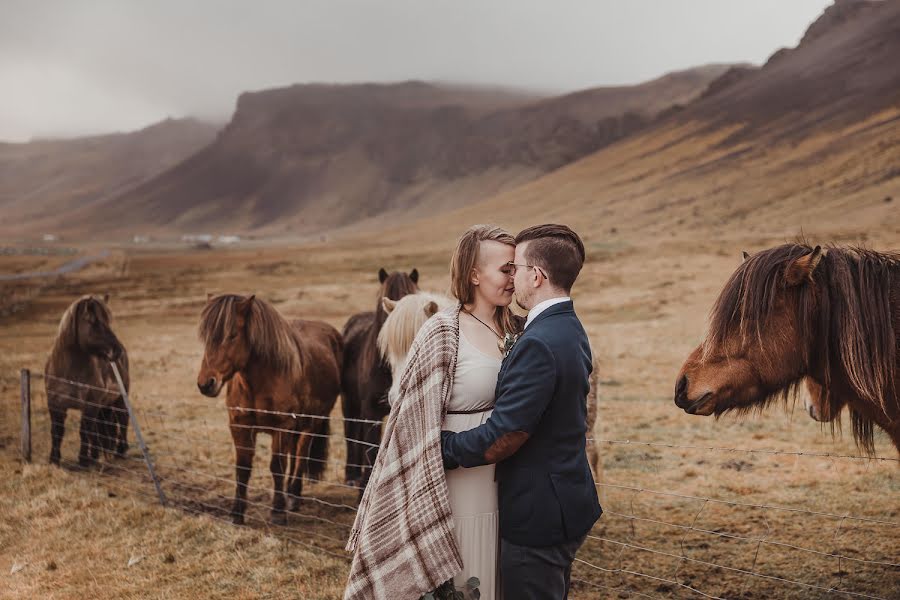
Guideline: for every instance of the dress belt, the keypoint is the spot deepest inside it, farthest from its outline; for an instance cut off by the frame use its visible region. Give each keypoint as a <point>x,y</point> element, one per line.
<point>474,411</point>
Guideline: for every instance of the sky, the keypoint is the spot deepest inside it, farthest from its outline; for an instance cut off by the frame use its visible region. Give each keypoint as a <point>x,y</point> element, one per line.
<point>70,68</point>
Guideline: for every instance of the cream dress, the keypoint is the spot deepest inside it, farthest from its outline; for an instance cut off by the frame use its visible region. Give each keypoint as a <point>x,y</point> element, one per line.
<point>473,492</point>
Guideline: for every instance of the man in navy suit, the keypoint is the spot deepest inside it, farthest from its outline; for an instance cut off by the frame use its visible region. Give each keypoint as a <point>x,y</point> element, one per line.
<point>536,434</point>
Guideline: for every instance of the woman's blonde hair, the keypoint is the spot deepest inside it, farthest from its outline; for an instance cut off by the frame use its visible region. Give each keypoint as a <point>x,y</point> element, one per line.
<point>464,259</point>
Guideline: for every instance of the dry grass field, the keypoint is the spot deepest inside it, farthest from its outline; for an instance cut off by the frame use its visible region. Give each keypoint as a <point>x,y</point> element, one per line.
<point>72,534</point>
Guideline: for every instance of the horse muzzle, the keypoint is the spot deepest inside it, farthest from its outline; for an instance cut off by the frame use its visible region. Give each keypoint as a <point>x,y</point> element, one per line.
<point>211,387</point>
<point>698,406</point>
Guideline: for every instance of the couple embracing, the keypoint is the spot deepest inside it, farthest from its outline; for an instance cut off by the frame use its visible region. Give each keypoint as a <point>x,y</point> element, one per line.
<point>482,470</point>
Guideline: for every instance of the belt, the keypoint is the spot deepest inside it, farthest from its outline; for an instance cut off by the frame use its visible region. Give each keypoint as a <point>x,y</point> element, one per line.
<point>474,411</point>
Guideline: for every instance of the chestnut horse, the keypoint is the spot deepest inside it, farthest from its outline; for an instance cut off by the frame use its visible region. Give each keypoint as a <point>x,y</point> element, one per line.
<point>829,317</point>
<point>78,375</point>
<point>365,378</point>
<point>268,364</point>
<point>406,317</point>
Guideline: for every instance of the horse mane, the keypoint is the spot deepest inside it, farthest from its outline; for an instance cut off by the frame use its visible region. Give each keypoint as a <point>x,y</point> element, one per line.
<point>67,334</point>
<point>270,336</point>
<point>400,327</point>
<point>847,311</point>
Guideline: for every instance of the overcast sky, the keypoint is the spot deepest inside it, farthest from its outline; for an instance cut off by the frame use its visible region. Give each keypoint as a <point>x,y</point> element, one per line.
<point>72,67</point>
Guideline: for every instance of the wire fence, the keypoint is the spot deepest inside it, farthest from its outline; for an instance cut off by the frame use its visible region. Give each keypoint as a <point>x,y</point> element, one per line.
<point>650,543</point>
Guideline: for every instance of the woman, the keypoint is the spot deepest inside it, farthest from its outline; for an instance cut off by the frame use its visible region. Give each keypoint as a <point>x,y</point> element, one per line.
<point>417,526</point>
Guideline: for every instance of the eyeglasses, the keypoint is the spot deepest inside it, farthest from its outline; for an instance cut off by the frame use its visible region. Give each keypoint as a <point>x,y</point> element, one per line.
<point>513,267</point>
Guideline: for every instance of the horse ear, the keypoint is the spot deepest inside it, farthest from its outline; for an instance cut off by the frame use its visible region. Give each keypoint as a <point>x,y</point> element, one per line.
<point>431,308</point>
<point>746,255</point>
<point>803,268</point>
<point>209,297</point>
<point>388,304</point>
<point>382,275</point>
<point>244,305</point>
<point>414,275</point>
<point>105,298</point>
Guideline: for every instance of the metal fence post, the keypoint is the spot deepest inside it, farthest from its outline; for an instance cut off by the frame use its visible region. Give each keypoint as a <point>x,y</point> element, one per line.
<point>137,434</point>
<point>26,415</point>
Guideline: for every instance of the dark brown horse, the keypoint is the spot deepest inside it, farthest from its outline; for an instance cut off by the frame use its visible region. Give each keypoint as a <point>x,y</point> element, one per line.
<point>794,314</point>
<point>366,377</point>
<point>271,365</point>
<point>78,375</point>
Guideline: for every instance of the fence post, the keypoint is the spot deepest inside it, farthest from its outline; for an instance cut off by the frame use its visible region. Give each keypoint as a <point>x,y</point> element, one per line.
<point>26,415</point>
<point>137,433</point>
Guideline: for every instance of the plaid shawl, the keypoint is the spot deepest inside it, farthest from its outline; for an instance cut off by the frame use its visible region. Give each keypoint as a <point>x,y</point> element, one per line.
<point>402,538</point>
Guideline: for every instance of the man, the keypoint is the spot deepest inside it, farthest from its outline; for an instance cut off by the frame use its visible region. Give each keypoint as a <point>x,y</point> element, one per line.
<point>548,501</point>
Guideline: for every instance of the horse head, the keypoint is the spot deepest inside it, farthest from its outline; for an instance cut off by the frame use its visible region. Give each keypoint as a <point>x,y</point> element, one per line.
<point>761,335</point>
<point>86,325</point>
<point>404,319</point>
<point>223,329</point>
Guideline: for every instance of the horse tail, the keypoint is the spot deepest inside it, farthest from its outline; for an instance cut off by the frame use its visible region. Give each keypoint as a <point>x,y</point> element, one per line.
<point>318,449</point>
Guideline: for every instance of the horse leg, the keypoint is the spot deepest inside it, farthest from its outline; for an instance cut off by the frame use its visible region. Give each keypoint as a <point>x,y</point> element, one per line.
<point>303,443</point>
<point>295,474</point>
<point>277,466</point>
<point>369,451</point>
<point>352,433</point>
<point>121,414</point>
<point>57,430</point>
<point>244,448</point>
<point>88,431</point>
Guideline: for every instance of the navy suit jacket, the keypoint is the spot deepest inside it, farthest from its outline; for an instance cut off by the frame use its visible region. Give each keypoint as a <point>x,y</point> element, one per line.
<point>546,491</point>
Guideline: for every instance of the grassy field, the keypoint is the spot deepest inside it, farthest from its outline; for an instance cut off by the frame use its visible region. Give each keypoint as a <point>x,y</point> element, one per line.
<point>676,510</point>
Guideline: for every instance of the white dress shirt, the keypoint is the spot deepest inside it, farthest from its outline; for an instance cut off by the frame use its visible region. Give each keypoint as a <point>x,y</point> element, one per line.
<point>542,306</point>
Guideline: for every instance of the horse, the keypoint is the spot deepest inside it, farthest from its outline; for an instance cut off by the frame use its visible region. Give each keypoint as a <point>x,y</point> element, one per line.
<point>78,375</point>
<point>282,378</point>
<point>829,317</point>
<point>406,317</point>
<point>365,378</point>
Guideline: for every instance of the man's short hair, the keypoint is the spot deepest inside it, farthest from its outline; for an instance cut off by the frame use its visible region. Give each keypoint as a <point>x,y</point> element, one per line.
<point>556,249</point>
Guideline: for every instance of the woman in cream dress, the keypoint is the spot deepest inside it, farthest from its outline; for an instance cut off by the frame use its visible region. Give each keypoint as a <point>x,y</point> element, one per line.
<point>481,281</point>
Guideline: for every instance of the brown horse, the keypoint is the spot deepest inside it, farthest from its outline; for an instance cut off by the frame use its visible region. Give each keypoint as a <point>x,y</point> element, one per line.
<point>366,378</point>
<point>268,364</point>
<point>78,375</point>
<point>794,313</point>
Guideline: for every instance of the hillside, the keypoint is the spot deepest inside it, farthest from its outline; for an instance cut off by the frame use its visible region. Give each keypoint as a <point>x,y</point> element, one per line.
<point>312,157</point>
<point>44,182</point>
<point>810,141</point>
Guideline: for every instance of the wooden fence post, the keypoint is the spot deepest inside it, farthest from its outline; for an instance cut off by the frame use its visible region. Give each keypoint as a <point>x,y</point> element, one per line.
<point>26,415</point>
<point>137,434</point>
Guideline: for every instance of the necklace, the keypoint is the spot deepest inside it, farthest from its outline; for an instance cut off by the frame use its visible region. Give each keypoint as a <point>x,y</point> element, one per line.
<point>483,323</point>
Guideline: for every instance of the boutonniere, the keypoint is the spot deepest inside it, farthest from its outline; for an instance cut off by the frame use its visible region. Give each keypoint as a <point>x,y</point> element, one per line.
<point>506,344</point>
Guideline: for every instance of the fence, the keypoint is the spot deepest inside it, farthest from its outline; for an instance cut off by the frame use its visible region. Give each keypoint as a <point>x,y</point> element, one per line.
<point>650,543</point>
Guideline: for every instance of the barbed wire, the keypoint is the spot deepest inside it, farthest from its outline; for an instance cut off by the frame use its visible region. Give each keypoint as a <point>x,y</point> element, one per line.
<point>743,450</point>
<point>734,569</point>
<point>748,504</point>
<point>185,477</point>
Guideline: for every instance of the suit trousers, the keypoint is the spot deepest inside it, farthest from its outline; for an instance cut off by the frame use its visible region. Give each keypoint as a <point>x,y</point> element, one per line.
<point>529,573</point>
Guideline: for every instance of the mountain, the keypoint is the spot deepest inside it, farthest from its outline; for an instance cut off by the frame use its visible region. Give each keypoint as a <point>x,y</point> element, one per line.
<point>312,157</point>
<point>808,142</point>
<point>44,182</point>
